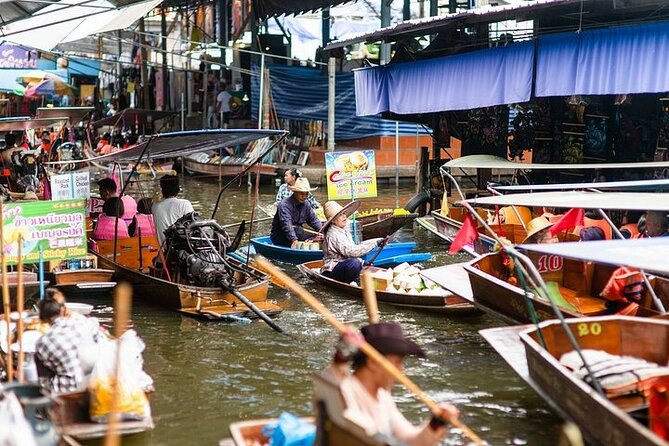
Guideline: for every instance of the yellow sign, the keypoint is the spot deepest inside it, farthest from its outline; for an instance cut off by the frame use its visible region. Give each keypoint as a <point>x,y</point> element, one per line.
<point>351,174</point>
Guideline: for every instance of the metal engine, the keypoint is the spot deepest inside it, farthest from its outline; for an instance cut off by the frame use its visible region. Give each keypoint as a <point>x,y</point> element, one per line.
<point>26,166</point>
<point>196,248</point>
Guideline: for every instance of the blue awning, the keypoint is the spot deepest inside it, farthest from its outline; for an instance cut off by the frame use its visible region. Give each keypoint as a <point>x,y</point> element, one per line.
<point>627,60</point>
<point>477,79</point>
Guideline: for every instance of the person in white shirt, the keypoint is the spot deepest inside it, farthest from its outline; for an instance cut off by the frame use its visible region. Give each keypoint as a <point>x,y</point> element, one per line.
<point>171,208</point>
<point>223,101</point>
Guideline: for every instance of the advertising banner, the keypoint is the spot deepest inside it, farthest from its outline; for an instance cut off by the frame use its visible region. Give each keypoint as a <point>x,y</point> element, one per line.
<point>70,186</point>
<point>350,174</point>
<point>57,227</point>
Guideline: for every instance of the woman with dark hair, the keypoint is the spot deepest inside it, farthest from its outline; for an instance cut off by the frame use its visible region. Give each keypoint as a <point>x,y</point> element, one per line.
<point>289,177</point>
<point>142,223</point>
<point>110,224</point>
<point>591,233</point>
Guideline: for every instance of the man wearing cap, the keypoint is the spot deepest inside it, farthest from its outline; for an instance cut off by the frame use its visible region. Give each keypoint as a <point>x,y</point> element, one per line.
<point>291,214</point>
<point>341,257</point>
<point>367,390</point>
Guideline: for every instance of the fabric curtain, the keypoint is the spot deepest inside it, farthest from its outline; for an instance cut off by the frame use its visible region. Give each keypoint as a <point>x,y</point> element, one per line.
<point>472,80</point>
<point>633,59</point>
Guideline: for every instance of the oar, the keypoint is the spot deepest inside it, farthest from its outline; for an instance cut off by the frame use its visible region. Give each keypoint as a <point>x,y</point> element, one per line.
<point>235,292</point>
<point>122,297</point>
<point>385,243</point>
<point>370,351</point>
<point>370,297</point>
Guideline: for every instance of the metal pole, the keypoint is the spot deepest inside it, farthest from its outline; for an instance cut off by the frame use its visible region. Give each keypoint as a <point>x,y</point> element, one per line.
<point>183,112</point>
<point>384,54</point>
<point>331,103</point>
<point>397,164</point>
<point>261,93</point>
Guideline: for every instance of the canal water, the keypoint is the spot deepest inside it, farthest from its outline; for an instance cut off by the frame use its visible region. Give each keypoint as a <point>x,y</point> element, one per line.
<point>209,374</point>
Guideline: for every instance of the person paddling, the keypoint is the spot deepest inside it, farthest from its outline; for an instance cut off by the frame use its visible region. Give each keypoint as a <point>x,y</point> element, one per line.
<point>291,213</point>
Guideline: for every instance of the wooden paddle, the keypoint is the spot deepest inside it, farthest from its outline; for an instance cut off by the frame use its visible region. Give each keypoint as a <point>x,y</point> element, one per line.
<point>122,302</point>
<point>370,297</point>
<point>19,308</point>
<point>370,351</point>
<point>5,299</point>
<point>385,243</point>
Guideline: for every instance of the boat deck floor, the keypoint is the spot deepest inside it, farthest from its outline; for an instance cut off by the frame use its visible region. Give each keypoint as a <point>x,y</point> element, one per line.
<point>89,431</point>
<point>221,312</point>
<point>452,277</point>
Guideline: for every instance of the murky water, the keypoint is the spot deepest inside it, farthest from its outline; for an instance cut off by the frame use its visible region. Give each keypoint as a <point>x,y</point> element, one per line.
<point>208,374</point>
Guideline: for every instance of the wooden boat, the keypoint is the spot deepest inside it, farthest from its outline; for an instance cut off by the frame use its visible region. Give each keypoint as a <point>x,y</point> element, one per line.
<point>448,303</point>
<point>383,225</point>
<point>578,270</point>
<point>228,167</point>
<point>134,265</point>
<point>617,418</point>
<point>399,252</point>
<point>78,280</point>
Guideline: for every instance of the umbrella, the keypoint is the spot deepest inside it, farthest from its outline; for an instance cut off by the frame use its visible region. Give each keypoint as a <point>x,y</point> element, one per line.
<point>55,84</point>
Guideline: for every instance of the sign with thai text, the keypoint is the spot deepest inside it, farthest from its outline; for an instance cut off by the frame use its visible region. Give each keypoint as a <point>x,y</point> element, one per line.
<point>13,56</point>
<point>351,174</point>
<point>58,228</point>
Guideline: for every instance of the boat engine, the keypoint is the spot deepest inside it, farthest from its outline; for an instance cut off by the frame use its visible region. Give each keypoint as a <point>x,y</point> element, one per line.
<point>26,166</point>
<point>196,248</point>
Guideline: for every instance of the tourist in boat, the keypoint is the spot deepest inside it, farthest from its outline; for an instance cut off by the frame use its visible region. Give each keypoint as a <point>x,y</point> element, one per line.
<point>291,213</point>
<point>142,223</point>
<point>110,225</point>
<point>341,256</point>
<point>630,226</point>
<point>591,233</point>
<point>108,189</point>
<point>366,391</point>
<point>538,231</point>
<point>656,224</point>
<point>171,208</point>
<point>289,178</point>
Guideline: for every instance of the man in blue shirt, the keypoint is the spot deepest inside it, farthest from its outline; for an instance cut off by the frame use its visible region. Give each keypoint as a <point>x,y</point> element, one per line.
<point>291,213</point>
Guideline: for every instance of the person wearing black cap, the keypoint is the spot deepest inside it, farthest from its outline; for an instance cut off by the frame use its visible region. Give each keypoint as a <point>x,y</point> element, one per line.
<point>367,390</point>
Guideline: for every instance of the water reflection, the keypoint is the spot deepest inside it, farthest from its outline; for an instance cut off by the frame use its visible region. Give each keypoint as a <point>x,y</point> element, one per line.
<point>208,374</point>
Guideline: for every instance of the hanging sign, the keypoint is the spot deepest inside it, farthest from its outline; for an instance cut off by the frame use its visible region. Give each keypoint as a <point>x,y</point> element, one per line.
<point>71,185</point>
<point>57,227</point>
<point>350,174</point>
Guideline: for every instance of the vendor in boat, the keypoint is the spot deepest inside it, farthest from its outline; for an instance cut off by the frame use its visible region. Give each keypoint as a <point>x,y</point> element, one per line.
<point>110,225</point>
<point>341,256</point>
<point>656,224</point>
<point>289,177</point>
<point>171,208</point>
<point>366,391</point>
<point>291,213</point>
<point>108,189</point>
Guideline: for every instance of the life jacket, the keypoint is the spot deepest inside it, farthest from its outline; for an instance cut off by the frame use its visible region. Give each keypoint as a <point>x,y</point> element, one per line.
<point>104,230</point>
<point>144,224</point>
<point>632,228</point>
<point>129,208</point>
<point>601,224</point>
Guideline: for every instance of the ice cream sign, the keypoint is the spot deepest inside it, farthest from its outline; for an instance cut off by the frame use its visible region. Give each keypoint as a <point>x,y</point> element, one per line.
<point>350,174</point>
<point>58,228</point>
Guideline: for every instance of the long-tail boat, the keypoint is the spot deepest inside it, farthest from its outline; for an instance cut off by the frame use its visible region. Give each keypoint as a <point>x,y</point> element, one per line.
<point>440,301</point>
<point>618,413</point>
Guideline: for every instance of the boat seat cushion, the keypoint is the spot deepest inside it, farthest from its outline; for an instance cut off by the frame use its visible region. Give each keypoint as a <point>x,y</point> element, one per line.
<point>617,375</point>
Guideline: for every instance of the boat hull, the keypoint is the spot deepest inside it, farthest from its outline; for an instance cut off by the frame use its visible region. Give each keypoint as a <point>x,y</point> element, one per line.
<point>225,170</point>
<point>450,304</point>
<point>379,226</point>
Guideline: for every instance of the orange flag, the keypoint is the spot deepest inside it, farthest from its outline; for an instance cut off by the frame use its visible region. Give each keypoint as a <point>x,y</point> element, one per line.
<point>466,235</point>
<point>571,219</point>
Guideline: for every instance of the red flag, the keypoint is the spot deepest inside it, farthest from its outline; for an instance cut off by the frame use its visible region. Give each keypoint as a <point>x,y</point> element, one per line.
<point>466,235</point>
<point>571,219</point>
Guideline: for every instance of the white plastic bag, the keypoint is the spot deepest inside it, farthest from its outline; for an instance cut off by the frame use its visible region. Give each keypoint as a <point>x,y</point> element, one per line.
<point>132,403</point>
<point>15,429</point>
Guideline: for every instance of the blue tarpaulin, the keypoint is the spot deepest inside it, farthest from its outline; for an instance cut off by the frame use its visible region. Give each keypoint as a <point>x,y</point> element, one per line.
<point>626,60</point>
<point>302,93</point>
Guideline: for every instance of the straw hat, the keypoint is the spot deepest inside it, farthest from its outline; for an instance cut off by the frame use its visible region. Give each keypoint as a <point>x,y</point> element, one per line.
<point>302,185</point>
<point>535,225</point>
<point>332,209</point>
<point>30,195</point>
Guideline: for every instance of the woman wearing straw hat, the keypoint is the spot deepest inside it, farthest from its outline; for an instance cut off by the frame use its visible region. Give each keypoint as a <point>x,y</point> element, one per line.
<point>538,231</point>
<point>341,257</point>
<point>291,214</point>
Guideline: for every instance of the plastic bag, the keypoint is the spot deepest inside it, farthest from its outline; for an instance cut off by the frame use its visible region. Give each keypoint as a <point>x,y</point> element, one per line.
<point>290,430</point>
<point>132,403</point>
<point>16,430</point>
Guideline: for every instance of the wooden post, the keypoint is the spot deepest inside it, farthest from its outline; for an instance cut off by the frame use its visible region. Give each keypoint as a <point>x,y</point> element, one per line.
<point>422,177</point>
<point>19,309</point>
<point>5,297</point>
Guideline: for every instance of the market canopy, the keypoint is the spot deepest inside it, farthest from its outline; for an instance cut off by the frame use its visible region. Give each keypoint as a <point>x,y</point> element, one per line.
<point>72,20</point>
<point>75,114</point>
<point>167,145</point>
<point>495,162</point>
<point>26,123</point>
<point>133,116</point>
<point>627,201</point>
<point>634,185</point>
<point>648,254</point>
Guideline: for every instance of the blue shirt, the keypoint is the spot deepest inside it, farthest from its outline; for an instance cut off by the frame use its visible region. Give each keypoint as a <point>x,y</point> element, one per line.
<point>285,192</point>
<point>291,213</point>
